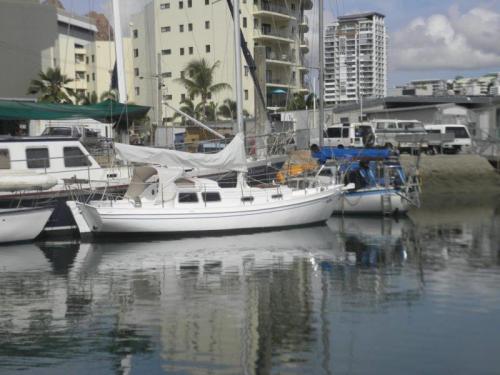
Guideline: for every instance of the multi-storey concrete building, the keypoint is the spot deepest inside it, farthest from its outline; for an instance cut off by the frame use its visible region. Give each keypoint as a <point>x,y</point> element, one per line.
<point>356,58</point>
<point>168,34</point>
<point>84,59</point>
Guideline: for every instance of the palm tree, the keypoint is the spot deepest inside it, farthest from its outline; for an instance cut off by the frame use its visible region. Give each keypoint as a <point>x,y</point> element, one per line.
<point>109,95</point>
<point>189,108</point>
<point>87,98</point>
<point>51,87</point>
<point>201,80</point>
<point>228,110</point>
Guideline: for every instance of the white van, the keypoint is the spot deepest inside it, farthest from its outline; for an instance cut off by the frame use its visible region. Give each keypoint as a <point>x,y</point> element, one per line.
<point>462,140</point>
<point>347,135</point>
<point>387,132</point>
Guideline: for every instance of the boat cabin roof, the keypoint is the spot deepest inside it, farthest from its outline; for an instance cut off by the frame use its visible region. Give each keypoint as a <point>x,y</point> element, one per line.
<point>11,139</point>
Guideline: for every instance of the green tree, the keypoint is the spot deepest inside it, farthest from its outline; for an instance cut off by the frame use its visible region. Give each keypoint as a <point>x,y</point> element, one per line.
<point>201,81</point>
<point>228,110</point>
<point>109,95</point>
<point>51,87</point>
<point>87,99</point>
<point>189,108</point>
<point>297,102</point>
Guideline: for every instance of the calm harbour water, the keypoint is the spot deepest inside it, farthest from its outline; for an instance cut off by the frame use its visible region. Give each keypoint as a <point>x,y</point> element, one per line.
<point>359,296</point>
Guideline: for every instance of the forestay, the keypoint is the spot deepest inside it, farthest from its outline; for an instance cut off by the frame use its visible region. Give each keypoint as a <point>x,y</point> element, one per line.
<point>232,157</point>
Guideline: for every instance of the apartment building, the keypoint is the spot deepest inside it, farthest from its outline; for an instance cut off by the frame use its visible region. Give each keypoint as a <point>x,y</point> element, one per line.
<point>89,62</point>
<point>356,58</point>
<point>168,34</point>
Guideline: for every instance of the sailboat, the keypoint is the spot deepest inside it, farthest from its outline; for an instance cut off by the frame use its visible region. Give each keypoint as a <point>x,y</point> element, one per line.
<point>163,199</point>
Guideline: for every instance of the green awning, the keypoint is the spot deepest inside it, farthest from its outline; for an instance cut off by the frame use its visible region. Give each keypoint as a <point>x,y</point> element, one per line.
<point>107,110</point>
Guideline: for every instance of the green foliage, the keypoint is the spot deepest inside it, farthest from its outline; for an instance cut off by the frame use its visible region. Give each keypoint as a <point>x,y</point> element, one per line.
<point>51,87</point>
<point>201,83</point>
<point>228,110</point>
<point>87,99</point>
<point>109,95</point>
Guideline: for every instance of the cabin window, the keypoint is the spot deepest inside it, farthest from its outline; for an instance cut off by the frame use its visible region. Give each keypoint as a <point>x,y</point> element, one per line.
<point>37,157</point>
<point>4,159</point>
<point>211,197</point>
<point>74,157</point>
<point>188,198</point>
<point>345,132</point>
<point>247,199</point>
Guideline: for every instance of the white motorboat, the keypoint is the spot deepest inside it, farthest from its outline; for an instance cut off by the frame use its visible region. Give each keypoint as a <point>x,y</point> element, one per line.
<point>22,224</point>
<point>164,200</point>
<point>373,200</point>
<point>43,168</point>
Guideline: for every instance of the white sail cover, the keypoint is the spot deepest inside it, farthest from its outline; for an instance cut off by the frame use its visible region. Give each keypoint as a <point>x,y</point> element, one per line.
<point>232,157</point>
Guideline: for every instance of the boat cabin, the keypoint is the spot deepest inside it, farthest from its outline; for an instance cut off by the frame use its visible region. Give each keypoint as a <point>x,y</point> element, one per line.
<point>44,154</point>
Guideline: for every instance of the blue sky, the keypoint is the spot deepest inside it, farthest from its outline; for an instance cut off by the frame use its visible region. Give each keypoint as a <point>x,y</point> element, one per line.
<point>428,38</point>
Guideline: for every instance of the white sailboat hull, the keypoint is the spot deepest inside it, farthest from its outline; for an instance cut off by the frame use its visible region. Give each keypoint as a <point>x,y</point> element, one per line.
<point>370,201</point>
<point>297,211</point>
<point>22,224</point>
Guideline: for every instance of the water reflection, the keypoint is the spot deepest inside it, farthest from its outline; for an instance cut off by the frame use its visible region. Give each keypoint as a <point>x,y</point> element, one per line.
<point>355,296</point>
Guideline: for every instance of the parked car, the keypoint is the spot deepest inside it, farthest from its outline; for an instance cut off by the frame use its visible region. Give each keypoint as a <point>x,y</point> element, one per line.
<point>389,132</point>
<point>462,141</point>
<point>347,135</point>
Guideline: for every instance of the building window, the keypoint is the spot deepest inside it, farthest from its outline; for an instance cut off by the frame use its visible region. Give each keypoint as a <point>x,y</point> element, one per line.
<point>245,22</point>
<point>86,59</point>
<point>165,29</point>
<point>190,27</point>
<point>181,51</point>
<point>88,78</point>
<point>166,51</point>
<point>93,76</point>
<point>246,94</point>
<point>207,48</point>
<point>165,6</point>
<point>246,70</point>
<point>255,23</point>
<point>135,33</point>
<point>190,50</point>
<point>167,97</point>
<point>167,75</point>
<point>137,91</point>
<point>207,24</point>
<point>181,28</point>
<point>181,4</point>
<point>37,158</point>
<point>74,157</point>
<point>190,3</point>
<point>93,58</point>
<point>4,159</point>
<point>183,97</point>
<point>136,54</point>
<point>207,2</point>
<point>136,72</point>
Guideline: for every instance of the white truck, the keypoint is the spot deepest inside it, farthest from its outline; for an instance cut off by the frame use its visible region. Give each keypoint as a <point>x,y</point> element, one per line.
<point>347,135</point>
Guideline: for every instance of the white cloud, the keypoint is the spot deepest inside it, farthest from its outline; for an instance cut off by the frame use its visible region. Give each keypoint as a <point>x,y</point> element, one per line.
<point>452,41</point>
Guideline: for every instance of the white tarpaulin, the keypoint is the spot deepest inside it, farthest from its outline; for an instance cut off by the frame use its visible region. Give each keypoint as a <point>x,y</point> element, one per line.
<point>232,157</point>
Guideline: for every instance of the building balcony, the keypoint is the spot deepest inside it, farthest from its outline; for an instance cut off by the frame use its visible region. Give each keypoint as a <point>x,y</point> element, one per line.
<point>304,45</point>
<point>275,11</point>
<point>280,59</point>
<point>304,24</point>
<point>280,82</point>
<point>273,35</point>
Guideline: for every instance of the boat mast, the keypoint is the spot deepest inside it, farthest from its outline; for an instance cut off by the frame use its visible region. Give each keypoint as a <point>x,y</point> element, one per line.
<point>321,74</point>
<point>120,65</point>
<point>237,60</point>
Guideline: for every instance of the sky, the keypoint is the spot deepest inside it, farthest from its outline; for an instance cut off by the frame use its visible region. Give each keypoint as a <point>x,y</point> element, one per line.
<point>427,38</point>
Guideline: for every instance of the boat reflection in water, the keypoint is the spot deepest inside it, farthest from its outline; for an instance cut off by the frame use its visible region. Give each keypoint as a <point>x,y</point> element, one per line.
<point>358,295</point>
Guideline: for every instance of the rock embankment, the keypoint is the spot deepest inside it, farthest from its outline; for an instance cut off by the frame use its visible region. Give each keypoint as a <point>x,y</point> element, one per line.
<point>454,173</point>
